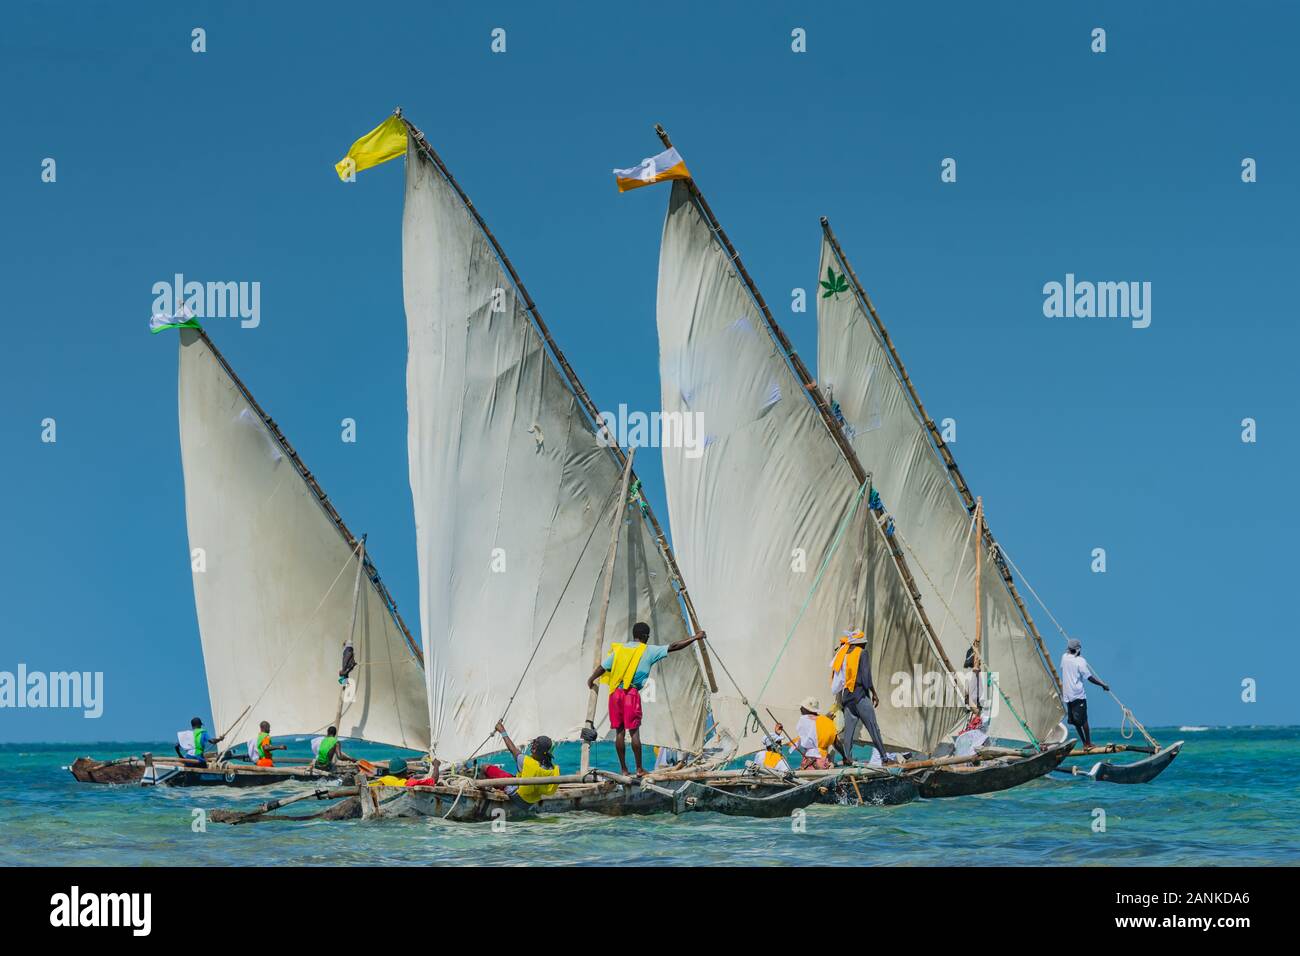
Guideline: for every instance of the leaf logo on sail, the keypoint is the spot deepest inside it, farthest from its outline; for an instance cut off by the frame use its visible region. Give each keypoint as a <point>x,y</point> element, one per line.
<point>833,284</point>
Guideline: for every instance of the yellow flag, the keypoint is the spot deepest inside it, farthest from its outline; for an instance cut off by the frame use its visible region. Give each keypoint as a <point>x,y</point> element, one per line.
<point>386,141</point>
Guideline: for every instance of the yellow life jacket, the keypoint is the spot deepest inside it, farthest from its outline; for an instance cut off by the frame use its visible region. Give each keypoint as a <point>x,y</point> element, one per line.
<point>825,734</point>
<point>626,659</point>
<point>770,759</point>
<point>847,657</point>
<point>531,768</point>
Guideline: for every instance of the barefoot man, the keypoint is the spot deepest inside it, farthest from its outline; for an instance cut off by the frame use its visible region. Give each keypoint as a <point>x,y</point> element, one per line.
<point>625,670</point>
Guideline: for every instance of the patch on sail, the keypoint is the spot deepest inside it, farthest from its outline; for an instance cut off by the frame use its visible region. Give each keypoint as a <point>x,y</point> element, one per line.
<point>246,417</point>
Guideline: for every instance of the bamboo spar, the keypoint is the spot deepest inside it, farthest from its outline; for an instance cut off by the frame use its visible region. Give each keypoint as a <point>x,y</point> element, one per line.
<point>575,385</point>
<point>620,508</point>
<point>944,451</point>
<point>814,393</point>
<point>356,604</point>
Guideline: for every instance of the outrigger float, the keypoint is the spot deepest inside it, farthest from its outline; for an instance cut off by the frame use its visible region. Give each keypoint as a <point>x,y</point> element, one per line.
<point>749,792</point>
<point>148,770</point>
<point>1142,770</point>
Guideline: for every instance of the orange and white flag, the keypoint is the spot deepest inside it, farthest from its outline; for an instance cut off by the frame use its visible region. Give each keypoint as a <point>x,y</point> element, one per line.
<point>667,165</point>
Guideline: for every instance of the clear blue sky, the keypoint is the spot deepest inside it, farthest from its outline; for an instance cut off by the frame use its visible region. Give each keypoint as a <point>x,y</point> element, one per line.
<point>1079,433</point>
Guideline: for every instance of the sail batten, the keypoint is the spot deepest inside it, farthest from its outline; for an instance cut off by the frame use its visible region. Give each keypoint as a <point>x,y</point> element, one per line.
<point>759,519</point>
<point>887,431</point>
<point>273,579</point>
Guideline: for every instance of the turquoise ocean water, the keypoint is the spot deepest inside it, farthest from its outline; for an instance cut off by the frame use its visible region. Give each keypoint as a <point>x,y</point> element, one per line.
<point>1231,797</point>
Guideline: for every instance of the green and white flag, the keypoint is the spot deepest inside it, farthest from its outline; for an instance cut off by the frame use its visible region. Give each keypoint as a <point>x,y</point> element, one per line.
<point>184,319</point>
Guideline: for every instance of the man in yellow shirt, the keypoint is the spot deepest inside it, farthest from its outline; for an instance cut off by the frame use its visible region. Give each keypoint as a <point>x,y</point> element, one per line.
<point>538,762</point>
<point>628,668</point>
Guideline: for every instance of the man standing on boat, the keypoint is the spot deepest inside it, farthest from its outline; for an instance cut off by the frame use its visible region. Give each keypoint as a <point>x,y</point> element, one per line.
<point>626,669</point>
<point>854,692</point>
<point>197,739</point>
<point>1074,671</point>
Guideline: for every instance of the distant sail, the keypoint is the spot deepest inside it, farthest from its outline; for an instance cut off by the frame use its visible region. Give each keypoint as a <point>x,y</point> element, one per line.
<point>512,494</point>
<point>275,593</point>
<point>756,516</point>
<point>889,437</point>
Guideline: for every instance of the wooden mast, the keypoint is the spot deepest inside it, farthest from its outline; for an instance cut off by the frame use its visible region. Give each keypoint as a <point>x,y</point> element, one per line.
<point>356,606</point>
<point>598,650</point>
<point>944,451</point>
<point>575,386</point>
<point>371,572</point>
<point>814,393</point>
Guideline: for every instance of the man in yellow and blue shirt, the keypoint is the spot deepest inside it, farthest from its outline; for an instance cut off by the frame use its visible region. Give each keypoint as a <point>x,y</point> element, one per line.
<point>626,669</point>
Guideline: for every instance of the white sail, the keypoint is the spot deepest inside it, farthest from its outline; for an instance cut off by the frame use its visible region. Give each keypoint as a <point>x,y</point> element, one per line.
<point>274,580</point>
<point>887,433</point>
<point>758,514</point>
<point>513,493</point>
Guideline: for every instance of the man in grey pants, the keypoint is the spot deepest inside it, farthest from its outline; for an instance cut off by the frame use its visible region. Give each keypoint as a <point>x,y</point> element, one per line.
<point>851,683</point>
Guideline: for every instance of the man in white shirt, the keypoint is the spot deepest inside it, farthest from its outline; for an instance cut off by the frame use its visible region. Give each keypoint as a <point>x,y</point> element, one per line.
<point>770,756</point>
<point>1074,671</point>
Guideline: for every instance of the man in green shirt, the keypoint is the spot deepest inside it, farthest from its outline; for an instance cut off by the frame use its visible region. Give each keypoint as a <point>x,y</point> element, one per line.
<point>328,750</point>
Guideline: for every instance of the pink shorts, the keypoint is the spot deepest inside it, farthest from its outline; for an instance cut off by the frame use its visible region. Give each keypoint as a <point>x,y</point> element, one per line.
<point>624,708</point>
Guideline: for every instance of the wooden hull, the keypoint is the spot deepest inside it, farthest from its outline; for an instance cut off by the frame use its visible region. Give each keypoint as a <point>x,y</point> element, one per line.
<point>170,772</point>
<point>179,775</point>
<point>991,776</point>
<point>89,770</point>
<point>733,797</point>
<point>472,805</point>
<point>748,798</point>
<point>882,791</point>
<point>1139,771</point>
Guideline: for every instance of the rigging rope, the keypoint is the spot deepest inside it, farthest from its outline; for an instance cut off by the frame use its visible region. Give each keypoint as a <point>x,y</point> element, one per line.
<point>1128,715</point>
<point>352,632</point>
<point>300,636</point>
<point>962,630</point>
<point>558,601</point>
<point>758,721</point>
<point>839,535</point>
<point>1023,726</point>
